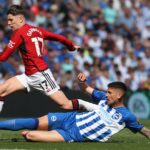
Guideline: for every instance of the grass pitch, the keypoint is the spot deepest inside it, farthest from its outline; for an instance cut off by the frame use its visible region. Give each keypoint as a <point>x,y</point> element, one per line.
<point>125,140</point>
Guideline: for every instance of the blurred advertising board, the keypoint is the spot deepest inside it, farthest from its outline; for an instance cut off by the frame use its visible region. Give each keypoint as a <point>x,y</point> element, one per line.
<point>138,103</point>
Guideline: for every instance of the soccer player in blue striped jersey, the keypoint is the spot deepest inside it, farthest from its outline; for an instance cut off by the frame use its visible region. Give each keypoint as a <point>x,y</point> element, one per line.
<point>102,120</point>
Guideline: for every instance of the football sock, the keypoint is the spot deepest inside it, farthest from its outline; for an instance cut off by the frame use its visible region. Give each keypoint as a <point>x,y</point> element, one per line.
<point>75,104</point>
<point>1,105</point>
<point>83,105</point>
<point>20,123</point>
<point>79,104</point>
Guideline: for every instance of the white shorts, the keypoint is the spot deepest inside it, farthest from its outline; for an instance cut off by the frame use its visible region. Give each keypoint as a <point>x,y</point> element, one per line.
<point>42,81</point>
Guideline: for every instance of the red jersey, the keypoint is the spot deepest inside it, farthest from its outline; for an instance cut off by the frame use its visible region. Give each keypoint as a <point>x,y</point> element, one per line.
<point>29,40</point>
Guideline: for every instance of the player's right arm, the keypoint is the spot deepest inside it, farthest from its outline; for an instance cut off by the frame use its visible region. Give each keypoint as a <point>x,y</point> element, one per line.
<point>81,104</point>
<point>97,95</point>
<point>83,85</point>
<point>14,42</point>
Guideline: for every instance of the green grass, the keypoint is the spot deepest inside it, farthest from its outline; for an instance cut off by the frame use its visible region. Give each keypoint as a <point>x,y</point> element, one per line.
<point>125,140</point>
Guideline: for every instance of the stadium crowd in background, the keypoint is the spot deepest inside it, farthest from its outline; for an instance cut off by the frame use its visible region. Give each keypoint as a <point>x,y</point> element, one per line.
<point>114,36</point>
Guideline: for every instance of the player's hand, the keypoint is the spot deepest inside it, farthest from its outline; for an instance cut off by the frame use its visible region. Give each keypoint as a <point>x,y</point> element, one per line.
<point>81,77</point>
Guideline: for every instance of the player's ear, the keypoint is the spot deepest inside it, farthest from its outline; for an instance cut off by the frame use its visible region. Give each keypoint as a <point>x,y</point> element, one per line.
<point>119,94</point>
<point>21,18</point>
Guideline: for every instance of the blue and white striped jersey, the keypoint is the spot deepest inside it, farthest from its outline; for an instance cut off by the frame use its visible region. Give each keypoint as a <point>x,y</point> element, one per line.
<point>105,121</point>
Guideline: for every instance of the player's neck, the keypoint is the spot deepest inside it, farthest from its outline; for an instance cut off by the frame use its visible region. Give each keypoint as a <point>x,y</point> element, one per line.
<point>21,25</point>
<point>118,104</point>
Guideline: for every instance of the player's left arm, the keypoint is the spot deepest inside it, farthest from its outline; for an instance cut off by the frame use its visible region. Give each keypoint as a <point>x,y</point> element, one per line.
<point>145,131</point>
<point>62,39</point>
<point>135,126</point>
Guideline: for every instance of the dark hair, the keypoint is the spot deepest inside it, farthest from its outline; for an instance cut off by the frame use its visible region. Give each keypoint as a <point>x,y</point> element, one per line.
<point>16,10</point>
<point>118,85</point>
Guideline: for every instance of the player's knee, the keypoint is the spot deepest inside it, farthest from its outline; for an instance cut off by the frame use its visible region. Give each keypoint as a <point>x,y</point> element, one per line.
<point>3,90</point>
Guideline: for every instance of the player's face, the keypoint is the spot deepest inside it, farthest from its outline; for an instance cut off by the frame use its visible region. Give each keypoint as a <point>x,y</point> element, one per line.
<point>15,22</point>
<point>112,96</point>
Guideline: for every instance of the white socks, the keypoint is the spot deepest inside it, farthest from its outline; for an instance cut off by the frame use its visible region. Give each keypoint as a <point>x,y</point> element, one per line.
<point>1,105</point>
<point>83,105</point>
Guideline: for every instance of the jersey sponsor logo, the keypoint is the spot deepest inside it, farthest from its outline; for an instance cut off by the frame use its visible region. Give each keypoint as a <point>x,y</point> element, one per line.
<point>104,115</point>
<point>31,30</point>
<point>11,44</point>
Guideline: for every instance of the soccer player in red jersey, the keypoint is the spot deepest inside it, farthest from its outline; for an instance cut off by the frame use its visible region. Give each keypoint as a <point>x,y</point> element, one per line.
<point>29,40</point>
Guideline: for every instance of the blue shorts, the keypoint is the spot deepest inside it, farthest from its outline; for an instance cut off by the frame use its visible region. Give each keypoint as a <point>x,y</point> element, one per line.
<point>65,124</point>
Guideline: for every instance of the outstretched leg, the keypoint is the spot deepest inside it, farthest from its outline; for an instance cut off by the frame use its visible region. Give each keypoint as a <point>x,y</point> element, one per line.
<point>20,123</point>
<point>25,123</point>
<point>43,136</point>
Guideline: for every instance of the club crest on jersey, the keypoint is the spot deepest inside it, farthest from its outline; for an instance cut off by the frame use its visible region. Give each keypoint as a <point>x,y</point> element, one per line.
<point>116,116</point>
<point>30,31</point>
<point>11,44</point>
<point>53,118</point>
